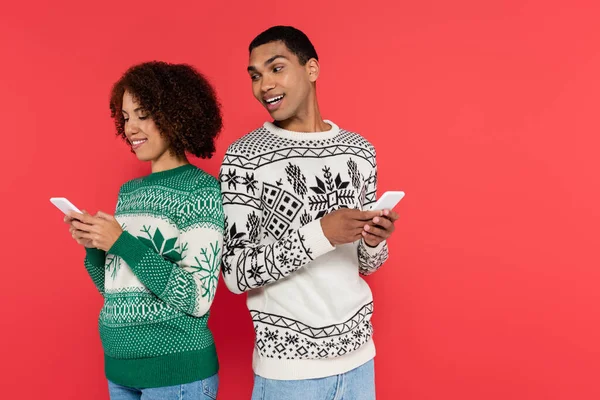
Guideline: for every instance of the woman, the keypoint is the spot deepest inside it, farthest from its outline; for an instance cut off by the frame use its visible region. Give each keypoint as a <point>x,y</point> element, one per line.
<point>156,262</point>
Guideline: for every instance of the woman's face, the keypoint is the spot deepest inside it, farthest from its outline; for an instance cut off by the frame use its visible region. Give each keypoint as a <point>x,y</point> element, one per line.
<point>142,134</point>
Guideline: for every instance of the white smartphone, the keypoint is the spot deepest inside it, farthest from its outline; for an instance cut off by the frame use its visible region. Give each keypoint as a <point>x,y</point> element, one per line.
<point>388,201</point>
<point>64,205</point>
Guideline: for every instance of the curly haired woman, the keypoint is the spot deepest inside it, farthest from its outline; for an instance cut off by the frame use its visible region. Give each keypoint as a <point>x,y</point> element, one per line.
<point>156,261</point>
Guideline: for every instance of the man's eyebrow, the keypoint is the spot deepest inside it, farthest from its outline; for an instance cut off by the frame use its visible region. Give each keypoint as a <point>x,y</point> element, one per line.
<point>269,61</point>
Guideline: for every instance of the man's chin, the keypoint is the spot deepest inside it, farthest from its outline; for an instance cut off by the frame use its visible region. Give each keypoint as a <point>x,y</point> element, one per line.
<point>279,115</point>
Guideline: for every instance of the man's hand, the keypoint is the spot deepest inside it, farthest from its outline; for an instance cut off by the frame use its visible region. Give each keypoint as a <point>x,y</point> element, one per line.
<point>101,230</point>
<point>381,228</point>
<point>346,225</point>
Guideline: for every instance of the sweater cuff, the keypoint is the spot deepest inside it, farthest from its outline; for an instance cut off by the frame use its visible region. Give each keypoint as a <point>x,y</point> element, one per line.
<point>315,239</point>
<point>129,249</point>
<point>373,251</point>
<point>96,257</point>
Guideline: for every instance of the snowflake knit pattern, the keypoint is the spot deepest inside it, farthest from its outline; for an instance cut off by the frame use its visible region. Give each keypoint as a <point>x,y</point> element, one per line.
<point>159,279</point>
<point>310,307</point>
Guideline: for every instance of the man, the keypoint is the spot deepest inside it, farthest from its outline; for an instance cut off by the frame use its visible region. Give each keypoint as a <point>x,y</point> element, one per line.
<point>297,238</point>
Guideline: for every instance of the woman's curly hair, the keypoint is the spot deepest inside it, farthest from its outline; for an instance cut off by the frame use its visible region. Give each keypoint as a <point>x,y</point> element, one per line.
<point>180,101</point>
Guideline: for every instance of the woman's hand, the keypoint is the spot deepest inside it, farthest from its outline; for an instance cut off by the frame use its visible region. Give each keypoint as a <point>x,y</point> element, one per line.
<point>76,233</point>
<point>100,231</point>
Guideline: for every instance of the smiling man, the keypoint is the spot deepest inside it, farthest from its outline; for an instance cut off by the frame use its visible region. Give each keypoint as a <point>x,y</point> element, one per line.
<point>298,234</point>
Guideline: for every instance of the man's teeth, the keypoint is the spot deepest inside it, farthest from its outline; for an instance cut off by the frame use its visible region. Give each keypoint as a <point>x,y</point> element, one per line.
<point>274,99</point>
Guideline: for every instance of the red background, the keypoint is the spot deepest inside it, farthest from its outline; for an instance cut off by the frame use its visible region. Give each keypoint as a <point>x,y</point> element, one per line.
<point>485,113</point>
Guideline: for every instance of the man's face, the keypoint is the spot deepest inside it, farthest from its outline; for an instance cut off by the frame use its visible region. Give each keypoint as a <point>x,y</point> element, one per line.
<point>279,82</point>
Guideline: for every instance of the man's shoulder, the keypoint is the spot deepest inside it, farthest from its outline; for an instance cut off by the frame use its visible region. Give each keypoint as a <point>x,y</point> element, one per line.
<point>261,140</point>
<point>355,139</point>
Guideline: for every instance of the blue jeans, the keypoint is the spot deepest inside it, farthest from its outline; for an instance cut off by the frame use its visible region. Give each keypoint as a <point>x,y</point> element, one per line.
<point>205,389</point>
<point>358,384</point>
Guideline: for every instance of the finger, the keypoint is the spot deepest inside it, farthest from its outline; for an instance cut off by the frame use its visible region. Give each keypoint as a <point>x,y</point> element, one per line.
<point>357,233</point>
<point>369,215</point>
<point>95,242</point>
<point>360,224</point>
<point>96,221</point>
<point>77,234</point>
<point>85,235</point>
<point>371,240</point>
<point>74,215</point>
<point>83,227</point>
<point>391,215</point>
<point>83,217</point>
<point>77,238</point>
<point>373,230</point>
<point>352,235</point>
<point>353,238</point>
<point>383,222</point>
<point>81,241</point>
<point>105,216</point>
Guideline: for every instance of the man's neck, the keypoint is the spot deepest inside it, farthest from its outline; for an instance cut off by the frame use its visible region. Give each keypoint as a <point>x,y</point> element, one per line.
<point>311,126</point>
<point>307,121</point>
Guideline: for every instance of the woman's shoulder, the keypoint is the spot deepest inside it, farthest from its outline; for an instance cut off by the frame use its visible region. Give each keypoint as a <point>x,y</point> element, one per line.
<point>203,179</point>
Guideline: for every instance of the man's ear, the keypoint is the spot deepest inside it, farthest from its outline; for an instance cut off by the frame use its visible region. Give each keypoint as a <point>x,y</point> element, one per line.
<point>313,68</point>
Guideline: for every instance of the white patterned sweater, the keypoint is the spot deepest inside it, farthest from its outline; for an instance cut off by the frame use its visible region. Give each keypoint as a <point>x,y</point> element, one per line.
<point>310,307</point>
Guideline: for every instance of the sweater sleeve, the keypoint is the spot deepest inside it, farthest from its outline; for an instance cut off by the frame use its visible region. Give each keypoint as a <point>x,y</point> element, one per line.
<point>370,259</point>
<point>247,264</point>
<point>94,263</point>
<point>188,280</point>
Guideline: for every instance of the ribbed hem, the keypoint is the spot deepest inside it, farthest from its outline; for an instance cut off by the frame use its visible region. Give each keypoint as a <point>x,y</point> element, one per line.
<point>315,239</point>
<point>129,249</point>
<point>274,129</point>
<point>274,368</point>
<point>96,257</point>
<point>168,370</point>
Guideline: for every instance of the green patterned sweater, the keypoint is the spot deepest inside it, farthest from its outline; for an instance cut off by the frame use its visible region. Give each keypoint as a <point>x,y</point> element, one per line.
<point>159,279</point>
